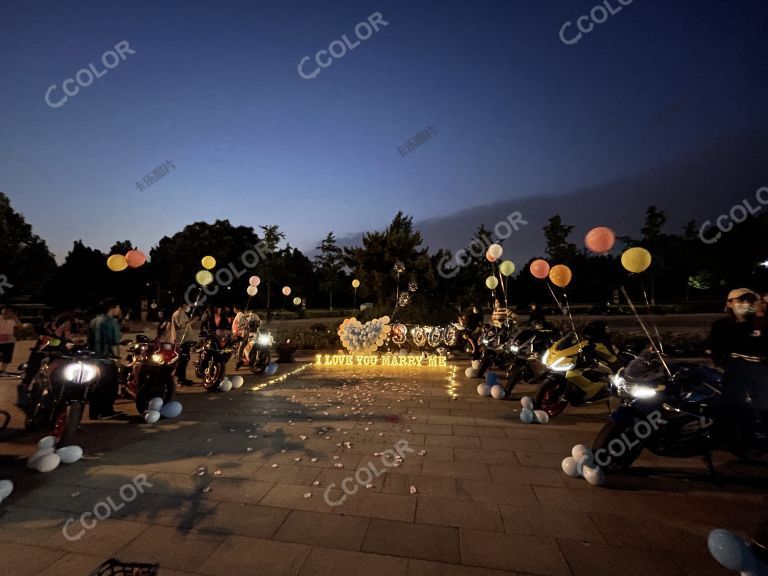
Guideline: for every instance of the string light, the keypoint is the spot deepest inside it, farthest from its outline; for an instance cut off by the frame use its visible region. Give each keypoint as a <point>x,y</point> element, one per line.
<point>282,378</point>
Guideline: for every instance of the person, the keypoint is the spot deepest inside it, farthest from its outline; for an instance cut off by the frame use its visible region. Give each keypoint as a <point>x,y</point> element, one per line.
<point>501,315</point>
<point>179,322</point>
<point>240,334</point>
<point>162,324</point>
<point>537,315</point>
<point>474,319</point>
<point>739,345</point>
<point>8,323</point>
<point>104,338</point>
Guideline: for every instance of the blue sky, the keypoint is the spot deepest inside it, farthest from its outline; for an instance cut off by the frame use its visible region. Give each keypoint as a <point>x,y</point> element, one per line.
<point>214,88</point>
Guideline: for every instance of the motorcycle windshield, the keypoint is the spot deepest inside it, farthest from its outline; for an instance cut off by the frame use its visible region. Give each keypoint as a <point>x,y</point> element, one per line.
<point>568,341</point>
<point>646,367</point>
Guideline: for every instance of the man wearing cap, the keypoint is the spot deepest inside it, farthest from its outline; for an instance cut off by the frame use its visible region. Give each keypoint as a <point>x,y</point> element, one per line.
<point>739,345</point>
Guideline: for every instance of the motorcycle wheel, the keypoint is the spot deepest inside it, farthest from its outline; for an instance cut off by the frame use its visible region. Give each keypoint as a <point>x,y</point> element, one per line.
<point>486,361</point>
<point>66,423</point>
<point>165,390</point>
<point>549,396</point>
<point>514,375</point>
<point>260,362</point>
<point>625,435</point>
<point>213,375</point>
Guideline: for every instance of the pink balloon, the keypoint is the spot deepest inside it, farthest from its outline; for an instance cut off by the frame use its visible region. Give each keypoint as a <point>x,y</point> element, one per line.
<point>600,240</point>
<point>539,268</point>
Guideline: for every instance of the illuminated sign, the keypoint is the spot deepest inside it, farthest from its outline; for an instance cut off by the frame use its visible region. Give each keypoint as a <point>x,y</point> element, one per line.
<point>380,360</point>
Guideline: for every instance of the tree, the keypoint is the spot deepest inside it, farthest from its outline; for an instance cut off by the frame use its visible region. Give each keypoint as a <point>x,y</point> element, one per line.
<point>328,265</point>
<point>272,238</point>
<point>558,248</point>
<point>121,247</point>
<point>26,264</point>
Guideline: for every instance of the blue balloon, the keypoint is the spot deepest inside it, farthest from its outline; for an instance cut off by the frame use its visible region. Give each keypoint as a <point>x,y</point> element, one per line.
<point>491,379</point>
<point>171,409</point>
<point>731,551</point>
<point>526,415</point>
<point>270,369</point>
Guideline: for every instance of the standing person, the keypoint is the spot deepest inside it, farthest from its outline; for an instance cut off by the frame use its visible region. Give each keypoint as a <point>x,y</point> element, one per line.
<point>179,322</point>
<point>240,334</point>
<point>739,345</point>
<point>8,323</point>
<point>104,339</point>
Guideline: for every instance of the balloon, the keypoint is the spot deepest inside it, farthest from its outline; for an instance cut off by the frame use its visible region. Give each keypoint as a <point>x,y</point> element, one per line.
<point>116,263</point>
<point>491,378</point>
<point>578,450</point>
<point>135,258</point>
<point>270,369</point>
<point>46,442</point>
<point>569,467</point>
<point>470,373</point>
<point>254,280</point>
<point>151,416</point>
<point>48,462</point>
<point>296,301</point>
<point>526,415</point>
<point>541,416</point>
<point>494,251</point>
<point>6,487</point>
<point>492,282</point>
<point>497,392</point>
<point>732,552</point>
<point>208,262</point>
<point>600,240</point>
<point>70,454</point>
<point>489,257</point>
<point>539,268</point>
<point>155,404</point>
<point>507,267</point>
<point>237,381</point>
<point>204,277</point>
<point>355,283</point>
<point>483,389</point>
<point>386,319</point>
<point>636,259</point>
<point>476,364</point>
<point>251,290</point>
<point>593,475</point>
<point>526,402</point>
<point>286,290</point>
<point>560,275</point>
<point>35,458</point>
<point>225,385</point>
<point>172,409</point>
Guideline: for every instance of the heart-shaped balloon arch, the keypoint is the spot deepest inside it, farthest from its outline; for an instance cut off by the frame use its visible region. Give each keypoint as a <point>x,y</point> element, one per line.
<point>366,338</point>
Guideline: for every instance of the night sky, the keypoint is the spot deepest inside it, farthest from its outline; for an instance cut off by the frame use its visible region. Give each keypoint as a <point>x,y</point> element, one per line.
<point>213,87</point>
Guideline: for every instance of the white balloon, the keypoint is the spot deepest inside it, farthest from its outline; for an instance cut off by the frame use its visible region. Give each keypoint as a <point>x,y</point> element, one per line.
<point>497,392</point>
<point>579,449</point>
<point>584,459</point>
<point>476,364</point>
<point>155,404</point>
<point>541,416</point>
<point>237,381</point>
<point>470,373</point>
<point>151,416</point>
<point>47,442</point>
<point>41,453</point>
<point>569,467</point>
<point>48,462</point>
<point>483,389</point>
<point>527,402</point>
<point>6,487</point>
<point>171,410</point>
<point>225,385</point>
<point>70,454</point>
<point>526,415</point>
<point>594,475</point>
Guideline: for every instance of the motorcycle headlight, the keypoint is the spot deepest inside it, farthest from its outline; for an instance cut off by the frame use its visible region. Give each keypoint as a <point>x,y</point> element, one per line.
<point>158,358</point>
<point>514,348</point>
<point>640,391</point>
<point>558,365</point>
<point>617,381</point>
<point>264,340</point>
<point>80,373</point>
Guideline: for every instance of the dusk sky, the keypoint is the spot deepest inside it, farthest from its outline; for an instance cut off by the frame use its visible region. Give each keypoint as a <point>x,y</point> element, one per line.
<point>214,88</point>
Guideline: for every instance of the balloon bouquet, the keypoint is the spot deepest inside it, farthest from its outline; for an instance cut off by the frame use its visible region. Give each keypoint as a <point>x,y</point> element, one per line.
<point>131,259</point>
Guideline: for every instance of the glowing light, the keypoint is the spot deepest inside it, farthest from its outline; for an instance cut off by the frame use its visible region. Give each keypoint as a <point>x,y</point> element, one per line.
<point>394,360</point>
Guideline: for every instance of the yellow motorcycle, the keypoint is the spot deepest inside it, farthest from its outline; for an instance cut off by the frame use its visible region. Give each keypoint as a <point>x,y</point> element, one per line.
<point>579,369</point>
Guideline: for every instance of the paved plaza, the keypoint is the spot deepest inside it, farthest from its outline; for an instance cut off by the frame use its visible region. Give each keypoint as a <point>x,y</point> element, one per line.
<point>269,481</point>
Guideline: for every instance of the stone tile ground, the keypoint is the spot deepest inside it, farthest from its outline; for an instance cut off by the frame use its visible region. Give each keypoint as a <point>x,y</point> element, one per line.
<point>490,498</point>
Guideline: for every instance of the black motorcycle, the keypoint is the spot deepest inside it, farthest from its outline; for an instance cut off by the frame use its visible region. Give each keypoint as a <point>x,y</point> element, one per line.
<point>526,348</point>
<point>671,414</point>
<point>215,352</point>
<point>493,347</point>
<point>257,353</point>
<point>149,370</point>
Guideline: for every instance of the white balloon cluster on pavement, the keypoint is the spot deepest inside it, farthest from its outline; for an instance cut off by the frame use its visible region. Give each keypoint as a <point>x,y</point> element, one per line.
<point>48,458</point>
<point>581,463</point>
<point>158,408</point>
<point>472,371</point>
<point>491,387</point>
<point>528,415</point>
<point>364,338</point>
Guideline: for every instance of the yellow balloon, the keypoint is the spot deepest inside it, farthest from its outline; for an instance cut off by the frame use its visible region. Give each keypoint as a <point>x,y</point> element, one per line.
<point>355,283</point>
<point>492,282</point>
<point>209,263</point>
<point>560,275</point>
<point>204,277</point>
<point>117,263</point>
<point>507,267</point>
<point>636,260</point>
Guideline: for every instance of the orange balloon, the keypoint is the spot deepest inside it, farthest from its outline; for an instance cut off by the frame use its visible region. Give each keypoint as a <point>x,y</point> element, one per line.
<point>600,240</point>
<point>135,258</point>
<point>560,275</point>
<point>539,268</point>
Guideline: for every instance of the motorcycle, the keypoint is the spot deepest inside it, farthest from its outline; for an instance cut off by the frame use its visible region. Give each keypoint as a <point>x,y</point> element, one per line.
<point>579,370</point>
<point>493,347</point>
<point>526,347</point>
<point>670,413</point>
<point>58,382</point>
<point>149,371</point>
<point>256,354</point>
<point>215,352</point>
